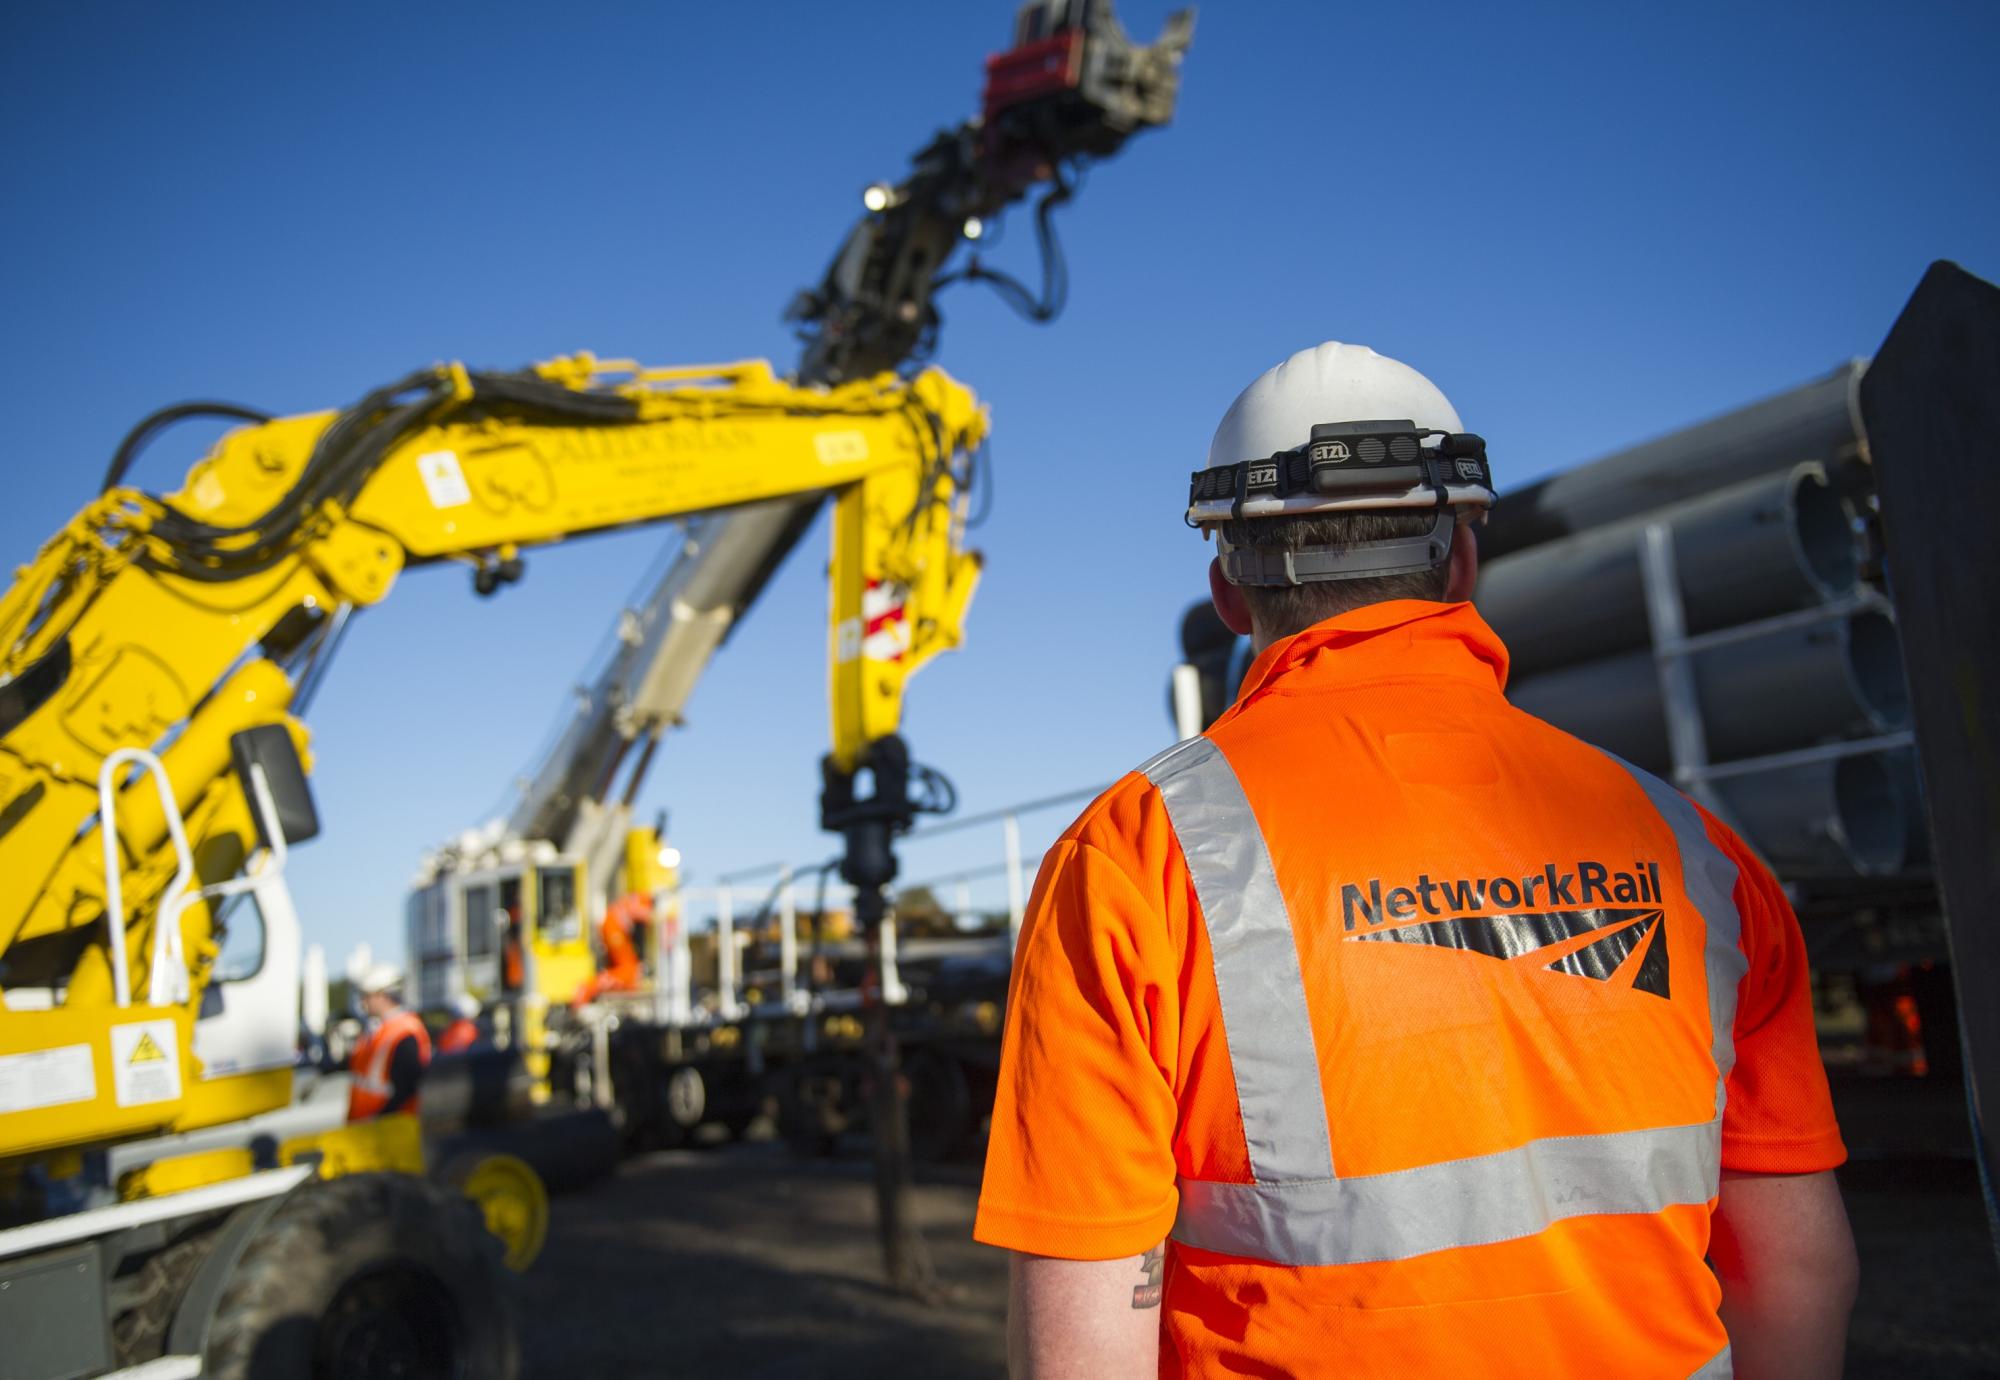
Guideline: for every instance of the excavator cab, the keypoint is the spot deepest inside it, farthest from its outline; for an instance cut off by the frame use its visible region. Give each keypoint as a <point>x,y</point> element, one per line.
<point>195,1019</point>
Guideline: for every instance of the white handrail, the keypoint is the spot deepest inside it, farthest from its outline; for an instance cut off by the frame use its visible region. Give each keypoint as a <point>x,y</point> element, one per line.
<point>114,889</point>
<point>725,955</point>
<point>167,975</point>
<point>788,942</point>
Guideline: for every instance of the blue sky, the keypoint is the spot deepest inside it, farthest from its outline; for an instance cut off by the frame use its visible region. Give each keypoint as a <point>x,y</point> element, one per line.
<point>1589,224</point>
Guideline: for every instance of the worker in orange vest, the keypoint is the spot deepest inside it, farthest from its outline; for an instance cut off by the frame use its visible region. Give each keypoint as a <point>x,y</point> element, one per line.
<point>1382,1029</point>
<point>463,1032</point>
<point>388,1064</point>
<point>617,936</point>
<point>513,954</point>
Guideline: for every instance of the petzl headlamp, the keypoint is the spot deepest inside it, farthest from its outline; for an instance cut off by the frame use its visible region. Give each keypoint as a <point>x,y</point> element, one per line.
<point>1346,467</point>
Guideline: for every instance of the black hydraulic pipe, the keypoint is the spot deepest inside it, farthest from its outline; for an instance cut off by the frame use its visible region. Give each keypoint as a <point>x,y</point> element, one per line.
<point>1772,693</point>
<point>1767,545</point>
<point>1815,422</point>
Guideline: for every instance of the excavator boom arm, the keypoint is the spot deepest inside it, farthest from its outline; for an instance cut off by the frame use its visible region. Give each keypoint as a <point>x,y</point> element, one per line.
<point>226,569</point>
<point>177,623</point>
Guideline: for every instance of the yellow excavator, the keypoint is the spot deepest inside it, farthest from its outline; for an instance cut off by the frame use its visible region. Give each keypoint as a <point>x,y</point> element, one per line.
<point>163,1209</point>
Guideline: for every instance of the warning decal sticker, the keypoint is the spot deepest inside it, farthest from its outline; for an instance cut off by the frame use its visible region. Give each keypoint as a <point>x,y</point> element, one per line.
<point>46,1078</point>
<point>443,480</point>
<point>145,1062</point>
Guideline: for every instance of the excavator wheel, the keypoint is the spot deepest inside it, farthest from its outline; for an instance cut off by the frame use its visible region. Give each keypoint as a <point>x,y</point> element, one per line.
<point>364,1276</point>
<point>683,1105</point>
<point>510,1196</point>
<point>635,1101</point>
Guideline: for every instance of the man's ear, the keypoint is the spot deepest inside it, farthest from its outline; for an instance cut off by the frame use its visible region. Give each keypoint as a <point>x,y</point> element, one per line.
<point>1463,571</point>
<point>1230,604</point>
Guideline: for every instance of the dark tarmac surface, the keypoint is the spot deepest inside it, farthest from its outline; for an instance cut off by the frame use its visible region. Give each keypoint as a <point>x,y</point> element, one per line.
<point>743,1262</point>
<point>1930,1285</point>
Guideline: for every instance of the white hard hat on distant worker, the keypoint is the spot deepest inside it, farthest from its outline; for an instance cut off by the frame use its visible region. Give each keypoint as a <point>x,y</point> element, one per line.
<point>1339,428</point>
<point>382,977</point>
<point>465,1006</point>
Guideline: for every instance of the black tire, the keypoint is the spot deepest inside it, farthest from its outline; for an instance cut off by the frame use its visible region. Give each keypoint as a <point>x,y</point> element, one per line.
<point>568,1149</point>
<point>635,1101</point>
<point>147,1299</point>
<point>683,1105</point>
<point>371,1275</point>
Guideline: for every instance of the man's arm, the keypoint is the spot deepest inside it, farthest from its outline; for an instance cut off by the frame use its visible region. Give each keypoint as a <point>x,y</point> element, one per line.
<point>1084,1319</point>
<point>1782,1249</point>
<point>406,1072</point>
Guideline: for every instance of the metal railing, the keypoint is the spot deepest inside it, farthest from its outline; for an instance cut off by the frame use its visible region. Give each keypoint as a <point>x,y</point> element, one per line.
<point>779,900</point>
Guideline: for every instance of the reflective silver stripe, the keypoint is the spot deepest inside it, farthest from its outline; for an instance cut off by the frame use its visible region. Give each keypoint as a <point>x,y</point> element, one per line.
<point>1708,876</point>
<point>1468,1202</point>
<point>1297,1211</point>
<point>377,1076</point>
<point>1264,1018</point>
<point>1716,1367</point>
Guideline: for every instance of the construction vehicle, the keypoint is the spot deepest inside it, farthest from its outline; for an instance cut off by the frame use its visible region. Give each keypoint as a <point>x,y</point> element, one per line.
<point>562,918</point>
<point>156,654</point>
<point>1780,610</point>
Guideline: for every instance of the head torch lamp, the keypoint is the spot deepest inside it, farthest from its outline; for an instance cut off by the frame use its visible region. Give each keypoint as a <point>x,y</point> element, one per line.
<point>1346,467</point>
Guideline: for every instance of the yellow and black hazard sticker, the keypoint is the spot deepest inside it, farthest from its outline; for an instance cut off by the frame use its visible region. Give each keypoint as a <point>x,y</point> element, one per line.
<point>145,1062</point>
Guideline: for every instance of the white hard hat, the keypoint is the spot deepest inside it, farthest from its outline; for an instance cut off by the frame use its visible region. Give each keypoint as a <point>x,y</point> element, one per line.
<point>1327,383</point>
<point>1338,428</point>
<point>382,977</point>
<point>465,1006</point>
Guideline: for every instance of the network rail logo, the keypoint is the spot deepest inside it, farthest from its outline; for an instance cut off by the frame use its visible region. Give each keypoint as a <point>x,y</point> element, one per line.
<point>1629,946</point>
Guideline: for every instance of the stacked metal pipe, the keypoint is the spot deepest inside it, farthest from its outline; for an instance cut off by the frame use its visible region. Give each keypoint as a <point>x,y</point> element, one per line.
<point>1773,697</point>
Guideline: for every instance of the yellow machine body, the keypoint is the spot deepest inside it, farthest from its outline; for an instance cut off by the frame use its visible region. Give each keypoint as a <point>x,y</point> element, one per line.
<point>116,636</point>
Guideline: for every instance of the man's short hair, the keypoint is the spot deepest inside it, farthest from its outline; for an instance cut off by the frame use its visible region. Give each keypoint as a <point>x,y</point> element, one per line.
<point>1283,610</point>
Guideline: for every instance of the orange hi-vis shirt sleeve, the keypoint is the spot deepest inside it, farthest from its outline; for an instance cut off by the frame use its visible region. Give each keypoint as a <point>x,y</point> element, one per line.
<point>1423,1028</point>
<point>1778,1118</point>
<point>1093,1050</point>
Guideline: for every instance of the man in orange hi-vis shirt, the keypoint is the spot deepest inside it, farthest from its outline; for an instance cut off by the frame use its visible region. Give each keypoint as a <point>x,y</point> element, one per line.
<point>389,1063</point>
<point>1384,1030</point>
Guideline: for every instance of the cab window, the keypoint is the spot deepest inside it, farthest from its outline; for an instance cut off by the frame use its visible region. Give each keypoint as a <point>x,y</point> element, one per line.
<point>560,919</point>
<point>482,930</point>
<point>239,931</point>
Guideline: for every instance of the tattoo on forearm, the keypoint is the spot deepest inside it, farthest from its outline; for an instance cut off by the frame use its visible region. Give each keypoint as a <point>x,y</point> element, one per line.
<point>1153,1265</point>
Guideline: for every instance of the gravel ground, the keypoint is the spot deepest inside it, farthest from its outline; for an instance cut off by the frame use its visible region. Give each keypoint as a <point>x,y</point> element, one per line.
<point>744,1262</point>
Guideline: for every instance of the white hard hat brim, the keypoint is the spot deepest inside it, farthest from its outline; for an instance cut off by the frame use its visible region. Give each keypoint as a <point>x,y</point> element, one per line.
<point>381,978</point>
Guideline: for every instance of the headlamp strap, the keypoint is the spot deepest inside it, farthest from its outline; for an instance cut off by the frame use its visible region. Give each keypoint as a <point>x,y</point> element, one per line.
<point>1351,458</point>
<point>1250,565</point>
